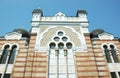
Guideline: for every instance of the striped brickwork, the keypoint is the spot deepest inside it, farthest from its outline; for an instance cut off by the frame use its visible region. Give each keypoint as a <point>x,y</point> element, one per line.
<point>20,63</point>
<point>20,60</point>
<point>30,64</point>
<point>36,61</point>
<point>85,62</point>
<point>101,62</point>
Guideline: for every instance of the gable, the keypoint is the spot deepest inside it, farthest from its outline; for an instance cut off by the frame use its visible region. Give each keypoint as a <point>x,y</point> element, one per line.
<point>13,35</point>
<point>106,36</point>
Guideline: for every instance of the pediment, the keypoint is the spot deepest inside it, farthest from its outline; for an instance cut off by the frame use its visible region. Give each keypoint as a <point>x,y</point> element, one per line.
<point>13,35</point>
<point>60,14</point>
<point>106,36</point>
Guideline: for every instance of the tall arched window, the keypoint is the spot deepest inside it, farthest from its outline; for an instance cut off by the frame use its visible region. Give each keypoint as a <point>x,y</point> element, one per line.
<point>12,55</point>
<point>107,54</point>
<point>4,55</point>
<point>114,54</point>
<point>61,57</point>
<point>61,61</point>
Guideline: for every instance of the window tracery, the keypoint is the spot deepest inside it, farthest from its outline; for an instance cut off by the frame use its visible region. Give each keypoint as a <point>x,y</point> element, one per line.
<point>61,57</point>
<point>111,53</point>
<point>8,57</point>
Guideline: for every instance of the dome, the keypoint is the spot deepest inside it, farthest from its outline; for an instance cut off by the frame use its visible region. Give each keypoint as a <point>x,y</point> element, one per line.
<point>81,12</point>
<point>96,32</point>
<point>24,32</point>
<point>38,11</point>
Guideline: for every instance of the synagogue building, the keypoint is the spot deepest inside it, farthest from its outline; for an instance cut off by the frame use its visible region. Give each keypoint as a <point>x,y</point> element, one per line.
<point>59,46</point>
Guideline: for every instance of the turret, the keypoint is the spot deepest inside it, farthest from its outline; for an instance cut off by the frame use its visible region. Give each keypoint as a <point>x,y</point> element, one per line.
<point>82,14</point>
<point>36,18</point>
<point>37,14</point>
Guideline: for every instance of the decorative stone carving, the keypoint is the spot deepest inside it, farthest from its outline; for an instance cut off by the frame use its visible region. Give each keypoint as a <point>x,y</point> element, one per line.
<point>13,35</point>
<point>106,36</point>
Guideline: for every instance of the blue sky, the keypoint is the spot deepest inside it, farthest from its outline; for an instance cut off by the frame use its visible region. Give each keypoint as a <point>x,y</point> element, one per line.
<point>104,14</point>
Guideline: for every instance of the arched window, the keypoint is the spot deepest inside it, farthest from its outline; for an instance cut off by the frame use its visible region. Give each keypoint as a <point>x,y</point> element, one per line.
<point>61,57</point>
<point>12,55</point>
<point>107,54</point>
<point>114,54</point>
<point>4,55</point>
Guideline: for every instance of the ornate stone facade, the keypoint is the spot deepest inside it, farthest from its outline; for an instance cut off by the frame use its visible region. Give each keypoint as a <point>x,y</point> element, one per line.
<point>59,47</point>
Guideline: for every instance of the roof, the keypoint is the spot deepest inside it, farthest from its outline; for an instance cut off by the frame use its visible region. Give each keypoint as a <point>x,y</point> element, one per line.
<point>96,32</point>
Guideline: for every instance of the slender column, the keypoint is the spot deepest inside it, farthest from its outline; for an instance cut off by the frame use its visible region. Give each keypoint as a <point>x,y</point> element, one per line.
<point>111,57</point>
<point>118,55</point>
<point>117,74</point>
<point>65,54</point>
<point>108,55</point>
<point>57,65</point>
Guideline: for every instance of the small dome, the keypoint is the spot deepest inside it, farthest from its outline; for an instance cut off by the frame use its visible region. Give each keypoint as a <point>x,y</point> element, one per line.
<point>81,12</point>
<point>24,32</point>
<point>96,32</point>
<point>38,11</point>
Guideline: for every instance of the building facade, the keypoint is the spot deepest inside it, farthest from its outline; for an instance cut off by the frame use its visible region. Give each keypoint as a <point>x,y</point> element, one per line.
<point>59,46</point>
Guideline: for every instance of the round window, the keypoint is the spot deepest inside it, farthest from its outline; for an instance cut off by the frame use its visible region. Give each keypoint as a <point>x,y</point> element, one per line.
<point>52,45</point>
<point>64,38</point>
<point>69,45</point>
<point>60,33</point>
<point>56,38</point>
<point>61,45</point>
